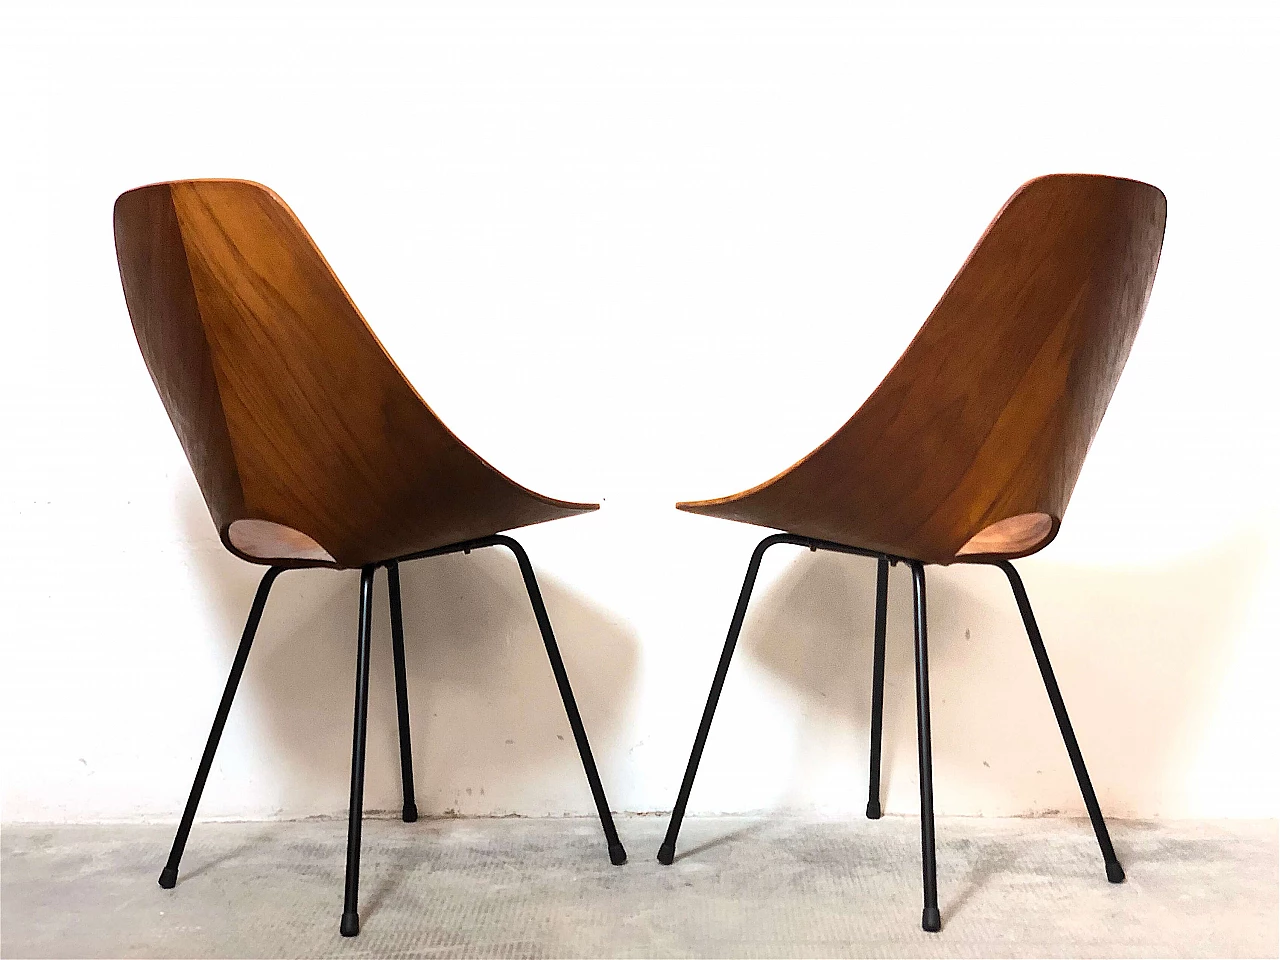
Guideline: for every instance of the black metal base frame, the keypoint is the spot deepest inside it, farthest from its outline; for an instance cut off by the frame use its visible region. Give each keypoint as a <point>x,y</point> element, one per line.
<point>350,925</point>
<point>930,919</point>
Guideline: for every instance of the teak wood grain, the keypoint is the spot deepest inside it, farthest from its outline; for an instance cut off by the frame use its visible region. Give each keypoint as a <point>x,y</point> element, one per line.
<point>308,443</point>
<point>970,447</point>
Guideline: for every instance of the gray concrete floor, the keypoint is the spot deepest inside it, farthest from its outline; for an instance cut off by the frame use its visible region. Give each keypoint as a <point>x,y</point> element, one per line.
<point>545,888</point>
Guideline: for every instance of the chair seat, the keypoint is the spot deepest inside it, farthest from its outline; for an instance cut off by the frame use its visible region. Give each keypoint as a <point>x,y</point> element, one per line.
<point>265,541</point>
<point>1006,539</point>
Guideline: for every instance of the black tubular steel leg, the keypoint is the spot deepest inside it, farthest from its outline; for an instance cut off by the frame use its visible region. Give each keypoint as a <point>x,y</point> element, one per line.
<point>930,919</point>
<point>169,875</point>
<point>410,809</point>
<point>617,853</point>
<point>877,686</point>
<point>667,852</point>
<point>350,907</point>
<point>1115,873</point>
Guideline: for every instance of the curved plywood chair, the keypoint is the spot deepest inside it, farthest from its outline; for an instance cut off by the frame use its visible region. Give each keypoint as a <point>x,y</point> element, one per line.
<point>969,449</point>
<point>971,445</point>
<point>309,445</point>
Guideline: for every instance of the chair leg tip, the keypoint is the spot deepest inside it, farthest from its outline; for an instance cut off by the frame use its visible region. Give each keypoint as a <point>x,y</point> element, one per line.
<point>410,814</point>
<point>169,877</point>
<point>667,854</point>
<point>1115,872</point>
<point>617,854</point>
<point>350,924</point>
<point>931,920</point>
<point>873,809</point>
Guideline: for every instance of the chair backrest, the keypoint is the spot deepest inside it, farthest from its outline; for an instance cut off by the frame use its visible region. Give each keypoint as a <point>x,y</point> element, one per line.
<point>972,444</point>
<point>294,418</point>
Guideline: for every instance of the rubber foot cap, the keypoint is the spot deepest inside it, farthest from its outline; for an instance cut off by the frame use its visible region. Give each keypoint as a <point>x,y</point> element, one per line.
<point>410,814</point>
<point>1115,872</point>
<point>873,809</point>
<point>667,853</point>
<point>169,877</point>
<point>350,924</point>
<point>617,854</point>
<point>931,920</point>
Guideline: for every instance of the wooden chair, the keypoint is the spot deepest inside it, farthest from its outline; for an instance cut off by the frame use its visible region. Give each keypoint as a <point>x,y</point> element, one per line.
<point>968,450</point>
<point>308,443</point>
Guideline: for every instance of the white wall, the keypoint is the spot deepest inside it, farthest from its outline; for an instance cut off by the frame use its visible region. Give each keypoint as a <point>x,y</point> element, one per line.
<point>640,253</point>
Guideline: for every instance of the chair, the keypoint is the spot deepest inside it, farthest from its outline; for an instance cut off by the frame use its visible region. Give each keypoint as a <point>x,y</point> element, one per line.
<point>310,447</point>
<point>968,450</point>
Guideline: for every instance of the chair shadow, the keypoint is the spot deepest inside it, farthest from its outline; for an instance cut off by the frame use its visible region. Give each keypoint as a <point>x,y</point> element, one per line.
<point>195,865</point>
<point>1140,655</point>
<point>393,876</point>
<point>744,831</point>
<point>992,860</point>
<point>489,731</point>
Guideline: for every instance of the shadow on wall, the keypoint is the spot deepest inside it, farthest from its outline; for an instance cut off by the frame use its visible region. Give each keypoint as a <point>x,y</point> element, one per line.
<point>489,730</point>
<point>1139,654</point>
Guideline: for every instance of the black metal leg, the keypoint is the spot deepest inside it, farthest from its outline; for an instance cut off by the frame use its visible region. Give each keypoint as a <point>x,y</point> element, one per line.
<point>169,875</point>
<point>930,919</point>
<point>617,853</point>
<point>667,852</point>
<point>877,686</point>
<point>410,809</point>
<point>350,907</point>
<point>1115,873</point>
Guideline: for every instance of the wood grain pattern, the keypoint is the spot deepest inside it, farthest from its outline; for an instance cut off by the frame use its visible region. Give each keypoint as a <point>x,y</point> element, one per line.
<point>989,413</point>
<point>288,408</point>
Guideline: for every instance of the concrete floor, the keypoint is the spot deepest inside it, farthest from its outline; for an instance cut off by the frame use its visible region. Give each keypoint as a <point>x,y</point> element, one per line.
<point>538,888</point>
